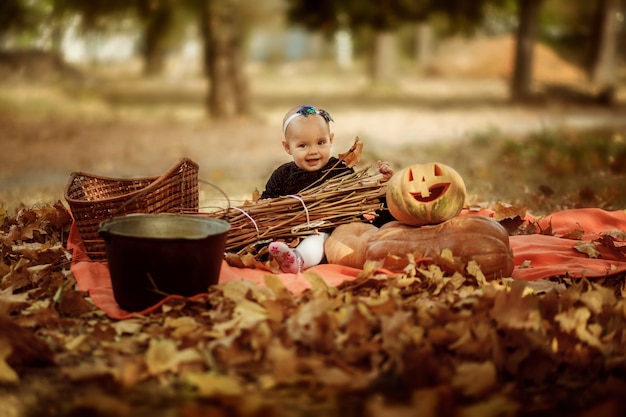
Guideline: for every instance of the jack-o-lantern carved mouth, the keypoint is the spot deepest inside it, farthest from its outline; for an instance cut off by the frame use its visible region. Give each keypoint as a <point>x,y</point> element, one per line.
<point>434,192</point>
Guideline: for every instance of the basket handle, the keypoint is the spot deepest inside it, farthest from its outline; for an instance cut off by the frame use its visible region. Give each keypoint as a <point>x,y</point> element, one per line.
<point>174,180</point>
<point>222,192</point>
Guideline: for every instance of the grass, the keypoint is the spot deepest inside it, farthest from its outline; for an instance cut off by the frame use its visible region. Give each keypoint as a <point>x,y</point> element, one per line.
<point>544,172</point>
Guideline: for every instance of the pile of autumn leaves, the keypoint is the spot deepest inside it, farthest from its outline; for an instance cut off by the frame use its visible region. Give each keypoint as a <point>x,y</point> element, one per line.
<point>426,340</point>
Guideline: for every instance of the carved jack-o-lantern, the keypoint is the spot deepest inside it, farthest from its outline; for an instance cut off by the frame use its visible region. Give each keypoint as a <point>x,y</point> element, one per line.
<point>425,194</point>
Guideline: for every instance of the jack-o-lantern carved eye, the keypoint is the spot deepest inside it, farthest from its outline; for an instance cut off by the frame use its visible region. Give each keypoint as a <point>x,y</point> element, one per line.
<point>436,169</point>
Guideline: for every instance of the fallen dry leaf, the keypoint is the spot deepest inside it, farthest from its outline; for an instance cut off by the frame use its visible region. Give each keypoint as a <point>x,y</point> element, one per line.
<point>7,374</point>
<point>214,385</point>
<point>588,248</point>
<point>353,156</point>
<point>475,379</point>
<point>427,337</point>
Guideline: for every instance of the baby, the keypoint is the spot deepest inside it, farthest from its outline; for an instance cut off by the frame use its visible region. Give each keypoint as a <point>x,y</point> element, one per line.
<point>308,139</point>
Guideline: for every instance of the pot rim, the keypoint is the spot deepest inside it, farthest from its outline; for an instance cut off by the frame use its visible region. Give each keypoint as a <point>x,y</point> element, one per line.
<point>106,226</point>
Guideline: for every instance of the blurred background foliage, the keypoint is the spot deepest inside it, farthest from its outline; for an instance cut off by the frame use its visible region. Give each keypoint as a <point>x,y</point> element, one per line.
<point>228,34</point>
<point>353,54</point>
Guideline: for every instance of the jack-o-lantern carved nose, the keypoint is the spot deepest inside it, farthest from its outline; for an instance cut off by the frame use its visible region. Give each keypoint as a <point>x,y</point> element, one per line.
<point>431,193</point>
<point>423,189</point>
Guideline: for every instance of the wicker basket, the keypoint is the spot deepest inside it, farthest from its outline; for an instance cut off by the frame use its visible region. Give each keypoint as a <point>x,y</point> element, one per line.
<point>93,199</point>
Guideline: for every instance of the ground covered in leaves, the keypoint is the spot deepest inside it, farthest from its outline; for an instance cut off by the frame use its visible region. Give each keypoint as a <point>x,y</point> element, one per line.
<point>426,342</point>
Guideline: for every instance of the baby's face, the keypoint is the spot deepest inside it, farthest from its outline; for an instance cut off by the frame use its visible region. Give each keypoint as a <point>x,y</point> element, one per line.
<point>308,140</point>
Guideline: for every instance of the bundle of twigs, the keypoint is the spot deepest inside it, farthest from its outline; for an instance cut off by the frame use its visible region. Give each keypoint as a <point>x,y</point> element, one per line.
<point>342,199</point>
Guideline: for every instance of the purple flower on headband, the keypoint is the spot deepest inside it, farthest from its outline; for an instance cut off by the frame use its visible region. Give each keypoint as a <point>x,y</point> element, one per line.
<point>306,110</point>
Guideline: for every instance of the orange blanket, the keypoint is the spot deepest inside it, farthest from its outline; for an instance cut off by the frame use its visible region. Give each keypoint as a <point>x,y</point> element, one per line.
<point>536,257</point>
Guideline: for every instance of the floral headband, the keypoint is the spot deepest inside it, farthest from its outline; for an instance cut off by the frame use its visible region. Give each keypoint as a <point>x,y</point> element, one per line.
<point>305,111</point>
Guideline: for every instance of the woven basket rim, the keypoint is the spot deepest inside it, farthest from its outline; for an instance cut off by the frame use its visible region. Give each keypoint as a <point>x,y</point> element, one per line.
<point>155,181</point>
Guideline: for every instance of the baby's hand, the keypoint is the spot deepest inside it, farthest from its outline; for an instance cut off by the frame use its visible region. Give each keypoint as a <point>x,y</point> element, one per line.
<point>385,169</point>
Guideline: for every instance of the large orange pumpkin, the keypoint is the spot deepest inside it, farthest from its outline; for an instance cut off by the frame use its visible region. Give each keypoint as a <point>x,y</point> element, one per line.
<point>347,243</point>
<point>468,237</point>
<point>424,194</point>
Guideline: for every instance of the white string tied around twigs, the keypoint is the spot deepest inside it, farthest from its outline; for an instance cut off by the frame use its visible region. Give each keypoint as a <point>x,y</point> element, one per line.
<point>342,199</point>
<point>258,233</point>
<point>306,210</point>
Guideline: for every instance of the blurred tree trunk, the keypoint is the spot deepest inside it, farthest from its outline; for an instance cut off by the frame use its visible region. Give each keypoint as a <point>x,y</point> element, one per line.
<point>521,82</point>
<point>222,33</point>
<point>424,44</point>
<point>384,58</point>
<point>158,19</point>
<point>57,28</point>
<point>602,63</point>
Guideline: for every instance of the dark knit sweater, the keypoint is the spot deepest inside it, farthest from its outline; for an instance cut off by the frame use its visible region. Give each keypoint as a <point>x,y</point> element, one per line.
<point>288,179</point>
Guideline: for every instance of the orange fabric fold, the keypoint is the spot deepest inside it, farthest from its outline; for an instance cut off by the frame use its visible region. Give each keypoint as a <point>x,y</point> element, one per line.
<point>93,278</point>
<point>536,257</point>
<point>553,255</point>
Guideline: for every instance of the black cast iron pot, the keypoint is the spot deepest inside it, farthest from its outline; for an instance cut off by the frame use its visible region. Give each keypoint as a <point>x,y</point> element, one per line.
<point>151,256</point>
